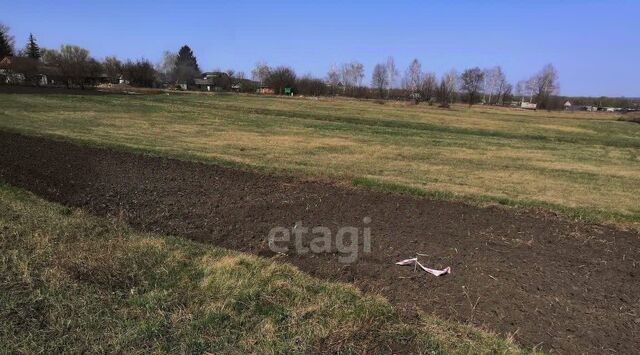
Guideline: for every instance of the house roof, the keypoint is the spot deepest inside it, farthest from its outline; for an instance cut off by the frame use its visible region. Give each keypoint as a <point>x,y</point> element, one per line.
<point>23,63</point>
<point>214,74</point>
<point>13,62</point>
<point>49,70</point>
<point>208,81</point>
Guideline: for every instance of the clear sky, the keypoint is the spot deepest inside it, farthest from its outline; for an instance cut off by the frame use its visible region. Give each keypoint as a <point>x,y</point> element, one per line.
<point>595,45</point>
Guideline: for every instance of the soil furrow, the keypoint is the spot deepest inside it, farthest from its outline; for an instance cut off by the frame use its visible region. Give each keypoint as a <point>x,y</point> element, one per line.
<point>569,286</point>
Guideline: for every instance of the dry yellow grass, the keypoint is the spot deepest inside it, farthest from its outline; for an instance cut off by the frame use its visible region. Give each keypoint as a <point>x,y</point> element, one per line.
<point>584,164</point>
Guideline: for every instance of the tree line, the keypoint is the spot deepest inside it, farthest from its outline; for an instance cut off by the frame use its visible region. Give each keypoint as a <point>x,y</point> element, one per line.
<point>76,67</point>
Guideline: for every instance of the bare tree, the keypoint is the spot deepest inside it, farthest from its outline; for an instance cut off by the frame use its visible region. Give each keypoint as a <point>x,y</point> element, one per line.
<point>333,78</point>
<point>308,85</point>
<point>139,73</point>
<point>113,68</point>
<point>490,83</point>
<point>49,56</point>
<point>73,62</point>
<point>352,75</point>
<point>531,86</point>
<point>380,78</point>
<point>505,93</point>
<point>495,83</point>
<point>413,78</point>
<point>521,89</point>
<point>472,81</point>
<point>502,86</point>
<point>447,89</point>
<point>392,72</point>
<point>260,72</point>
<point>346,75</point>
<point>94,68</point>
<point>546,84</point>
<point>165,69</point>
<point>428,86</point>
<point>280,78</point>
<point>358,72</point>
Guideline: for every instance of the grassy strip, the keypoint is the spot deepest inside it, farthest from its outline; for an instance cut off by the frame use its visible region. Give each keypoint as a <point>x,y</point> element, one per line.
<point>581,214</point>
<point>409,128</point>
<point>584,214</point>
<point>71,282</point>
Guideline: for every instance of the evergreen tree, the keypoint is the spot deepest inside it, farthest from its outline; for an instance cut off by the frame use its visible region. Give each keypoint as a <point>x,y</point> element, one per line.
<point>32,50</point>
<point>187,59</point>
<point>186,68</point>
<point>6,42</point>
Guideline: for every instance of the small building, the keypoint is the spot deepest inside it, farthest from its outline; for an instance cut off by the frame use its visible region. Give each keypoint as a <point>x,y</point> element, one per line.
<point>18,70</point>
<point>567,105</point>
<point>50,75</point>
<point>244,85</point>
<point>24,70</point>
<point>213,81</point>
<point>265,90</point>
<point>97,79</point>
<point>528,105</point>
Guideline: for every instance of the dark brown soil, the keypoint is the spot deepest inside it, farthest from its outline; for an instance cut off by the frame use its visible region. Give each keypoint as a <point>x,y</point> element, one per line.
<point>563,286</point>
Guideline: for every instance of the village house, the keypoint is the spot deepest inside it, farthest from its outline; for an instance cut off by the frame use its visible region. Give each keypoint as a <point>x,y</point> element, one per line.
<point>265,90</point>
<point>528,105</point>
<point>23,70</point>
<point>213,81</point>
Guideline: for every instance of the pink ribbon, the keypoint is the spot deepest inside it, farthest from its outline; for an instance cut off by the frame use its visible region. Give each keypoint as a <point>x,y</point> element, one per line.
<point>415,262</point>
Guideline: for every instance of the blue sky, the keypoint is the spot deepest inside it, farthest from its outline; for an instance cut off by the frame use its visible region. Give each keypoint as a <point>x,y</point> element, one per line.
<point>595,45</point>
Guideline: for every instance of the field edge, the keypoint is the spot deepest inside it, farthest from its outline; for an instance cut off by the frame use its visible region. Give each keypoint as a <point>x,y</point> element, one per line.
<point>130,290</point>
<point>578,214</point>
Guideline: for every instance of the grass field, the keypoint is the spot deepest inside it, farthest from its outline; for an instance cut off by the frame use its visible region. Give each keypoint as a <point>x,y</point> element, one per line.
<point>585,165</point>
<point>74,283</point>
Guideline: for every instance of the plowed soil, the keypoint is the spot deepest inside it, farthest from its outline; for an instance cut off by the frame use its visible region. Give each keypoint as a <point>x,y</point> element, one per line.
<point>560,285</point>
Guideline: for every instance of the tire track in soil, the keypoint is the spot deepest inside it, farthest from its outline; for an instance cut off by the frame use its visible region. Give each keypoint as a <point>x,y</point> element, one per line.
<point>566,286</point>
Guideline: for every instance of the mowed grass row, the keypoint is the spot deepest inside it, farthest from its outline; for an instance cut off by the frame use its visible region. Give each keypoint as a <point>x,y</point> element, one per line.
<point>75,283</point>
<point>586,165</point>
